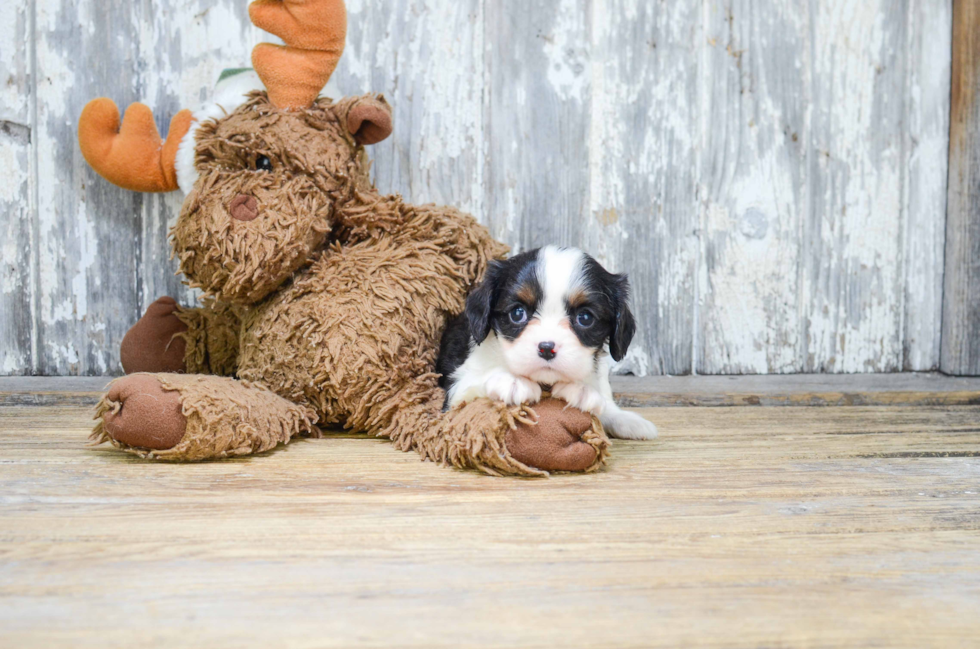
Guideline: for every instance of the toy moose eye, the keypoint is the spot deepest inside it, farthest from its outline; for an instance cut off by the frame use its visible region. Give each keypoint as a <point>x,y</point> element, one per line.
<point>585,319</point>
<point>262,163</point>
<point>518,315</point>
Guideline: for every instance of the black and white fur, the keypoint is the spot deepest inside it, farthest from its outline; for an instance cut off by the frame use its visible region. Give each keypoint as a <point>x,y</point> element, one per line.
<point>548,317</point>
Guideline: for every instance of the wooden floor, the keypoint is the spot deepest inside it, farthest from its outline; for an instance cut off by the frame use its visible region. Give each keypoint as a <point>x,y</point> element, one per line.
<point>741,527</point>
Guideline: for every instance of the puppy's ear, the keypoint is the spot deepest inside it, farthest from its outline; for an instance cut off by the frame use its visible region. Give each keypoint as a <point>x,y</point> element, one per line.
<point>479,305</point>
<point>624,325</point>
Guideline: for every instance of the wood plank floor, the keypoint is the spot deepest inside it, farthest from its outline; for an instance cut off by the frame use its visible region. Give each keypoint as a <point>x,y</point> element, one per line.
<point>741,527</point>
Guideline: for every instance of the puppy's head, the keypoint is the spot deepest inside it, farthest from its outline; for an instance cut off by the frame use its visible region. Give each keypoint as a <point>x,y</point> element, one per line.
<point>554,310</point>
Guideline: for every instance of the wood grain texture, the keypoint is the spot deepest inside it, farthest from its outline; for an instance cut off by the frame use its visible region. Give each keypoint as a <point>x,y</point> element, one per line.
<point>642,216</point>
<point>428,59</point>
<point>17,211</point>
<point>898,389</point>
<point>753,179</point>
<point>852,276</point>
<point>87,230</point>
<point>771,173</point>
<point>961,300</point>
<point>741,527</point>
<point>537,120</point>
<point>930,33</point>
<point>822,245</point>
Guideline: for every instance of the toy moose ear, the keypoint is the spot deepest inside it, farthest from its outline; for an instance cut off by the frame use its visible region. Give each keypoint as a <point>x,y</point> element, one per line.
<point>369,120</point>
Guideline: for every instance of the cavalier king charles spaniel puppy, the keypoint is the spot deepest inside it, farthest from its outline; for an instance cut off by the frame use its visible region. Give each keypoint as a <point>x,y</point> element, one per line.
<point>549,317</point>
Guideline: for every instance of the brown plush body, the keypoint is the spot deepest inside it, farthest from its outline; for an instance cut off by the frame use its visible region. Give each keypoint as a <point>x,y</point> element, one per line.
<point>325,305</point>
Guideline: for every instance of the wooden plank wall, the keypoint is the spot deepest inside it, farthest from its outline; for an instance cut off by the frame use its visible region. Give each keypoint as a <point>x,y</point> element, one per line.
<point>961,307</point>
<point>772,173</point>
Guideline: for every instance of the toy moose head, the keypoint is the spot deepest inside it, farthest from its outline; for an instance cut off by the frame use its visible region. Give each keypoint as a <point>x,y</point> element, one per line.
<point>283,161</point>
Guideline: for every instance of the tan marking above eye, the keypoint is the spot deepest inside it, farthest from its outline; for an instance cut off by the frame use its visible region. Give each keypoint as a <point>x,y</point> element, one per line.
<point>578,297</point>
<point>526,295</point>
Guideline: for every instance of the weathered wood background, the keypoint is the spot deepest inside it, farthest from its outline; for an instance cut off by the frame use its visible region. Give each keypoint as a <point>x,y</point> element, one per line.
<point>772,173</point>
<point>961,297</point>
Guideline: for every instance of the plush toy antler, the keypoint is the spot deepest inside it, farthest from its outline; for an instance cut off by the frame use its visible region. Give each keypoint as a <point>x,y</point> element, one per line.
<point>135,156</point>
<point>314,32</point>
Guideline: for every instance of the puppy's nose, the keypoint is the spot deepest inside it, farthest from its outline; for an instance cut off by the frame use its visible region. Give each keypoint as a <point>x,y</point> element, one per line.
<point>244,208</point>
<point>546,350</point>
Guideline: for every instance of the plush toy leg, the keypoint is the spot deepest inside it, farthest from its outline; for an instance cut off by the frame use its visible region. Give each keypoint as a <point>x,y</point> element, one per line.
<point>484,434</point>
<point>195,417</point>
<point>169,338</point>
<point>211,338</point>
<point>516,441</point>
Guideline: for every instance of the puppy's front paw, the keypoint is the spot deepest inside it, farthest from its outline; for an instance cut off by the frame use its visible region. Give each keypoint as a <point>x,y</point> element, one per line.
<point>512,390</point>
<point>581,396</point>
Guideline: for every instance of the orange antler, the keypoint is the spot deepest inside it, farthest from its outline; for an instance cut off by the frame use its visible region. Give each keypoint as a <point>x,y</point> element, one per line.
<point>314,32</point>
<point>134,156</point>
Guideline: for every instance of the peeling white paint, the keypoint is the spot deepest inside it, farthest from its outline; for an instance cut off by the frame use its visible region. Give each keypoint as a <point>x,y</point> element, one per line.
<point>930,29</point>
<point>14,62</point>
<point>11,165</point>
<point>427,58</point>
<point>567,53</point>
<point>854,323</point>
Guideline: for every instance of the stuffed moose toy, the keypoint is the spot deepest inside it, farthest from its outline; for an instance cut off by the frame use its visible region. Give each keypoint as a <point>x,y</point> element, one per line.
<point>324,300</point>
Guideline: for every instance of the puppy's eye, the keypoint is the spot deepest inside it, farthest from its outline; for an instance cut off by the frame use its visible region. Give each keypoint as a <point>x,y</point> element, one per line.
<point>262,163</point>
<point>518,315</point>
<point>585,319</point>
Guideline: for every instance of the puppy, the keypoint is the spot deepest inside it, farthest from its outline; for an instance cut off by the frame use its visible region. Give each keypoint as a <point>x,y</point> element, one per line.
<point>552,317</point>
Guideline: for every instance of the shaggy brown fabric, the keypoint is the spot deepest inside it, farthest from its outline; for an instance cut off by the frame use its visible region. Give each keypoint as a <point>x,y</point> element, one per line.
<point>224,417</point>
<point>242,261</point>
<point>356,334</point>
<point>155,343</point>
<point>211,338</point>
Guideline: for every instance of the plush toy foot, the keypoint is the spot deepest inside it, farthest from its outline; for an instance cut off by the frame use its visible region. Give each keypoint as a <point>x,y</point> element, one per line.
<point>555,442</point>
<point>516,440</point>
<point>196,417</point>
<point>144,414</point>
<point>151,345</point>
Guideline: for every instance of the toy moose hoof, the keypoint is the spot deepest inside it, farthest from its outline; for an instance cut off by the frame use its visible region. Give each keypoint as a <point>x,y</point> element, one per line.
<point>154,343</point>
<point>143,414</point>
<point>324,300</point>
<point>560,439</point>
